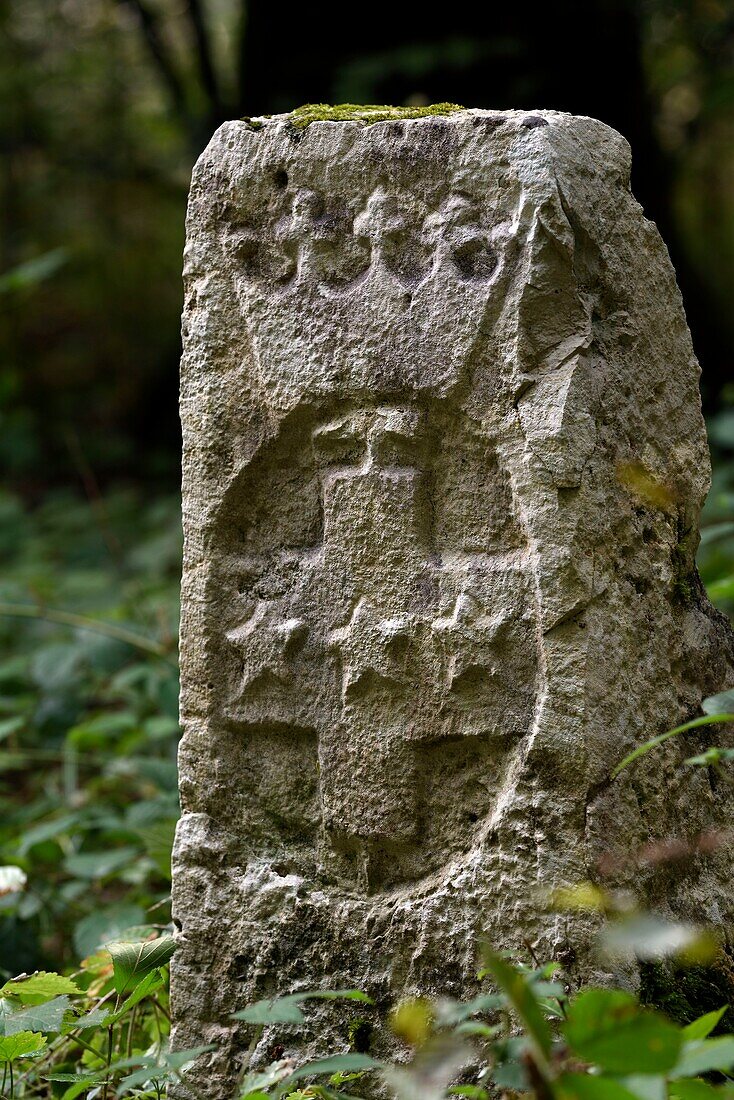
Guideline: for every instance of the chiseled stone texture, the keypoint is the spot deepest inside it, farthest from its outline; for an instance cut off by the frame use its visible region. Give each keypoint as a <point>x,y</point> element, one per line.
<point>444,461</point>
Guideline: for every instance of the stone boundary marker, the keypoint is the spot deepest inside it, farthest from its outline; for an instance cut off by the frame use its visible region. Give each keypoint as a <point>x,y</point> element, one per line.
<point>443,466</point>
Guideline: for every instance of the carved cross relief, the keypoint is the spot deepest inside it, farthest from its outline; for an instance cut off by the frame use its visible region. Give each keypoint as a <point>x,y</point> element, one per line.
<point>384,646</point>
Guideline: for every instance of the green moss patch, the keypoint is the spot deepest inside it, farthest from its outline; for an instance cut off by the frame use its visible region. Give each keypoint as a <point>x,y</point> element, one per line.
<point>365,113</point>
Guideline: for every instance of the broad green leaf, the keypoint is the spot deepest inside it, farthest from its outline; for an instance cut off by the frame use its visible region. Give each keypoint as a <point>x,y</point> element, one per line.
<point>607,1027</point>
<point>693,1090</point>
<point>583,897</point>
<point>48,1016</point>
<point>34,271</point>
<point>158,841</point>
<point>710,534</point>
<point>587,1086</point>
<point>273,1075</point>
<point>705,1055</point>
<point>704,1025</point>
<point>646,937</point>
<point>178,1059</point>
<point>24,1044</point>
<point>104,925</point>
<point>454,1012</point>
<point>151,1071</point>
<point>710,758</point>
<point>723,703</point>
<point>95,865</point>
<point>46,830</point>
<point>285,1010</point>
<point>81,1081</point>
<point>9,726</point>
<point>36,988</point>
<point>337,1063</point>
<point>722,589</point>
<point>481,1031</point>
<point>511,1075</point>
<point>150,984</point>
<point>645,1086</point>
<point>520,994</point>
<point>97,1017</point>
<point>132,961</point>
<point>696,723</point>
<point>412,1021</point>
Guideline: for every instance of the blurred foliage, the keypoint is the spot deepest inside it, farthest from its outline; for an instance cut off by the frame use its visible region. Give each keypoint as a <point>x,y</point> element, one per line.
<point>716,553</point>
<point>106,103</point>
<point>88,723</point>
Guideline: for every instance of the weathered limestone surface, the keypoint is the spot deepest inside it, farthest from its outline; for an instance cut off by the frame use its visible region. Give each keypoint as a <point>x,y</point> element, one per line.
<point>444,461</point>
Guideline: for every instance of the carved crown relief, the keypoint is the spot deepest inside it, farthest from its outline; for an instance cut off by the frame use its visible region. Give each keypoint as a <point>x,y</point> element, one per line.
<point>377,646</point>
<point>377,290</point>
<point>322,243</point>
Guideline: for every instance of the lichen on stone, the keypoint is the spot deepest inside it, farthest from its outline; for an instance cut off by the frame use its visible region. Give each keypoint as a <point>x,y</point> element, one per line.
<point>368,113</point>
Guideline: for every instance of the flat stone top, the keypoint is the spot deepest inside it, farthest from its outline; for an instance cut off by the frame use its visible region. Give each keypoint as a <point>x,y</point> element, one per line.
<point>371,115</point>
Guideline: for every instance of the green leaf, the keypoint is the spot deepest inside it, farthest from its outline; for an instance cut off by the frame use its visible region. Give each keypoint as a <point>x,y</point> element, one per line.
<point>520,994</point>
<point>511,1075</point>
<point>9,726</point>
<point>587,1086</point>
<point>33,271</point>
<point>704,1056</point>
<point>158,841</point>
<point>276,1072</point>
<point>710,534</point>
<point>94,865</point>
<point>723,703</point>
<point>24,1044</point>
<point>103,925</point>
<point>645,1086</point>
<point>455,1012</point>
<point>285,1010</point>
<point>44,1017</point>
<point>711,757</point>
<point>704,1025</point>
<point>150,1071</point>
<point>97,1017</point>
<point>150,984</point>
<point>693,1090</point>
<point>132,961</point>
<point>696,723</point>
<point>36,988</point>
<point>336,1063</point>
<point>607,1027</point>
<point>646,937</point>
<point>46,830</point>
<point>472,1092</point>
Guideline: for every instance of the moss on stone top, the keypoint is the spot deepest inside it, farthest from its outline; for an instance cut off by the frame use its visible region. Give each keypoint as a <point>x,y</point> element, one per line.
<point>366,113</point>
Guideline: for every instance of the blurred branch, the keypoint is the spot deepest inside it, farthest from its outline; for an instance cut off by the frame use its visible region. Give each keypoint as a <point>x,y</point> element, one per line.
<point>154,41</point>
<point>81,622</point>
<point>204,58</point>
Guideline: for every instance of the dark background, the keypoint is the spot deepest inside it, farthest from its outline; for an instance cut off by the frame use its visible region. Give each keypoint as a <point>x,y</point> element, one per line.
<point>106,103</point>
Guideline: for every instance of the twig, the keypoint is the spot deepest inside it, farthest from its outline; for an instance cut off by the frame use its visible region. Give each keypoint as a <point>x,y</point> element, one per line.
<point>81,622</point>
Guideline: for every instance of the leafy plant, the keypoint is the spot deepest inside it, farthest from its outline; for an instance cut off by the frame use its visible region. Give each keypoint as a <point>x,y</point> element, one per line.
<point>88,723</point>
<point>529,1035</point>
<point>105,1030</point>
